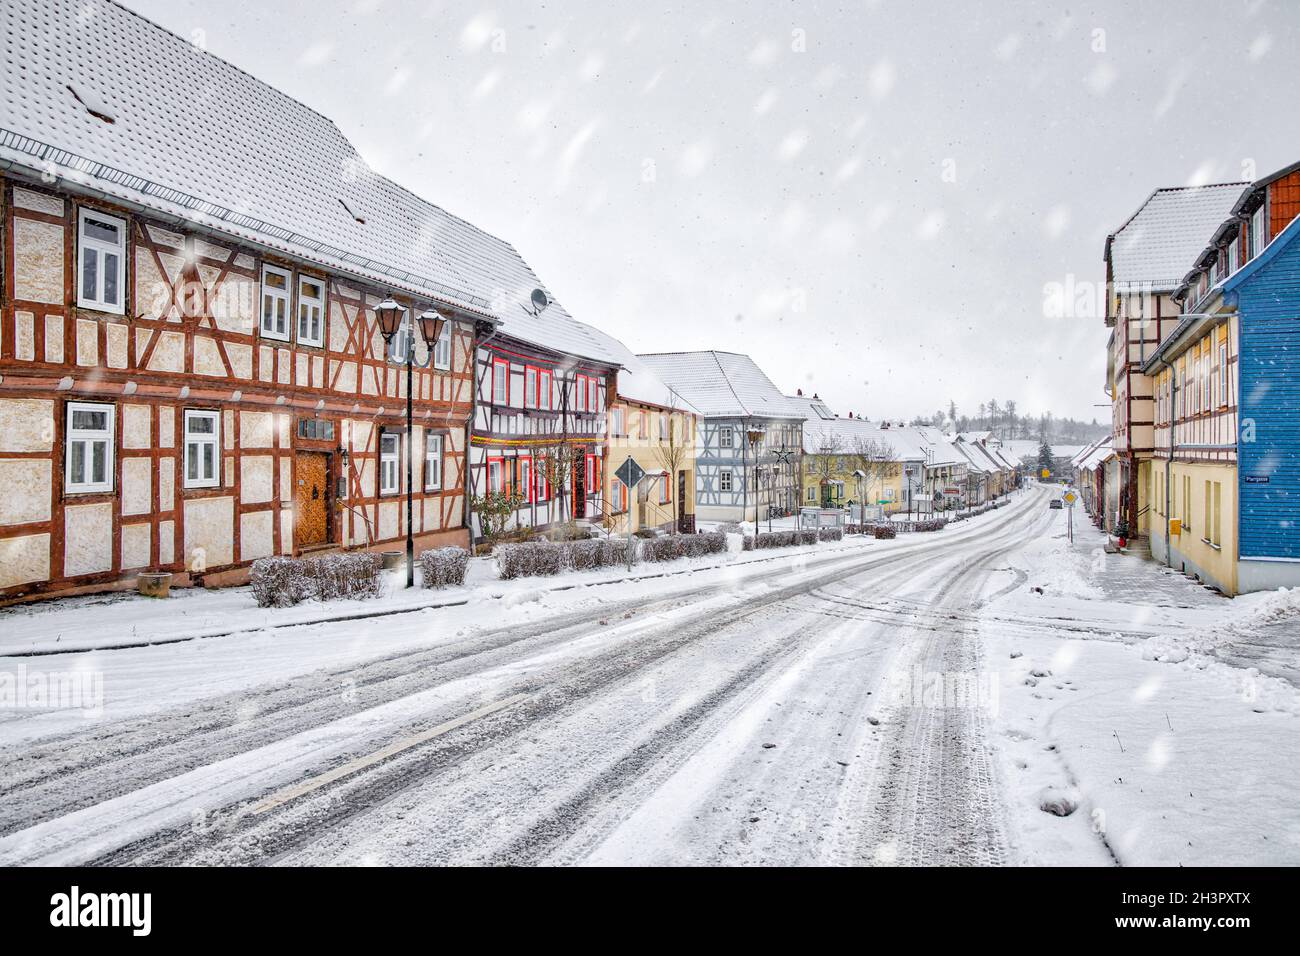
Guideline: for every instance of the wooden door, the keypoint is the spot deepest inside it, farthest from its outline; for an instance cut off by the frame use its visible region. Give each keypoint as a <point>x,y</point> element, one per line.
<point>681,500</point>
<point>311,499</point>
<point>580,486</point>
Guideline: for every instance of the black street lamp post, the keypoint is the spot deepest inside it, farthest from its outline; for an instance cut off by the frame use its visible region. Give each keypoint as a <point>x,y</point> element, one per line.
<point>755,437</point>
<point>391,317</point>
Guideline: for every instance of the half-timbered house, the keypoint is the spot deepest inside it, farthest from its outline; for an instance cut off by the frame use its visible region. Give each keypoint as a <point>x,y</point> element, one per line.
<point>1146,259</point>
<point>542,388</point>
<point>191,375</point>
<point>1226,476</point>
<point>748,455</point>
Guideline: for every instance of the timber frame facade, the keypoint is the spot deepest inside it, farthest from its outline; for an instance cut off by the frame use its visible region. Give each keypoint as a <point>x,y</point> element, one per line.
<point>172,400</point>
<point>539,432</point>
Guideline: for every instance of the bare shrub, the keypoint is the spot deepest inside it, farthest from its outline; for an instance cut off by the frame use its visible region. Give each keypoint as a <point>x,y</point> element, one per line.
<point>529,560</point>
<point>444,567</point>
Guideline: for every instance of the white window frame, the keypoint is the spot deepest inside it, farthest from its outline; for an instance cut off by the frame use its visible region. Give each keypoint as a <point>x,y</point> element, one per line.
<point>726,437</point>
<point>393,458</point>
<point>199,441</point>
<point>308,306</point>
<point>100,249</point>
<point>500,387</point>
<point>90,437</point>
<point>442,349</point>
<point>616,421</point>
<point>526,480</point>
<point>285,298</point>
<point>432,461</point>
<point>399,343</point>
<point>1257,231</point>
<point>531,377</point>
<point>593,395</point>
<point>726,482</point>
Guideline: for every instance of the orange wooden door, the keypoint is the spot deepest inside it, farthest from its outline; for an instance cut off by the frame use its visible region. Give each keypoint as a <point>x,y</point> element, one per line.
<point>311,499</point>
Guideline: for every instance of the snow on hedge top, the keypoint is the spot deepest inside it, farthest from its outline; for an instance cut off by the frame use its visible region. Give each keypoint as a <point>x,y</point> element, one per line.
<point>151,118</point>
<point>1160,242</point>
<point>722,384</point>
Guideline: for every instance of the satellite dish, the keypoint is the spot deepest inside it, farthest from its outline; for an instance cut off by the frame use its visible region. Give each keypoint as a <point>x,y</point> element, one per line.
<point>540,301</point>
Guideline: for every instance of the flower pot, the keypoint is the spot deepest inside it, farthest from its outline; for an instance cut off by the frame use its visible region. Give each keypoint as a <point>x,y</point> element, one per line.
<point>153,585</point>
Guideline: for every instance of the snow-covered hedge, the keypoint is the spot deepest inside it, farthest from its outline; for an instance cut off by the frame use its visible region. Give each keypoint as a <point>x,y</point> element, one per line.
<point>529,560</point>
<point>278,582</point>
<point>786,539</point>
<point>543,558</point>
<point>283,582</point>
<point>444,567</point>
<point>598,553</point>
<point>672,546</point>
<point>353,575</point>
<point>884,531</point>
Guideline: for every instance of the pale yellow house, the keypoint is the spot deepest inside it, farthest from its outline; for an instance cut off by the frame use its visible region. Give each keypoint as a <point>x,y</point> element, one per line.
<point>654,425</point>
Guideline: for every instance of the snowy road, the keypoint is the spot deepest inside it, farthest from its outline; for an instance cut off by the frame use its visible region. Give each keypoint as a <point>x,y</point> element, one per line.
<point>769,716</point>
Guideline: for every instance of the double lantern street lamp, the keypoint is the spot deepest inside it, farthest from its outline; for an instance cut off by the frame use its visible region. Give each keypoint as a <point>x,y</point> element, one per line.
<point>391,317</point>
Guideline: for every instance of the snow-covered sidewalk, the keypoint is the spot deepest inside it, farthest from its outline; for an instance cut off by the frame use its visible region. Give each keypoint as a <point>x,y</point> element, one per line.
<point>1172,755</point>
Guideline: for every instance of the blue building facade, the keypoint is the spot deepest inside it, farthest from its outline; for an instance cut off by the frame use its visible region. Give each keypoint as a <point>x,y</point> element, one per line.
<point>1266,293</point>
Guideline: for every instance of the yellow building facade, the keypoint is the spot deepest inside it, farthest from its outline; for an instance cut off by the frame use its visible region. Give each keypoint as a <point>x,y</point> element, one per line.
<point>1192,480</point>
<point>662,441</point>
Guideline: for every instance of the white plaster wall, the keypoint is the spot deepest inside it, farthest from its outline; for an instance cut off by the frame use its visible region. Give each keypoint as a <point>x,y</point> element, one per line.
<point>26,424</point>
<point>135,426</point>
<point>209,532</point>
<point>136,546</point>
<point>256,430</point>
<point>257,478</point>
<point>87,539</point>
<point>38,261</point>
<point>24,559</point>
<point>137,486</point>
<point>26,484</point>
<point>256,535</point>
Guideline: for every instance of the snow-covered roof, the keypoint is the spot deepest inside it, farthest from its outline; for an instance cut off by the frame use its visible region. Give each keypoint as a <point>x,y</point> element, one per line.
<point>1098,454</point>
<point>193,136</point>
<point>942,451</point>
<point>844,436</point>
<point>986,455</point>
<point>722,384</point>
<point>637,382</point>
<point>1157,245</point>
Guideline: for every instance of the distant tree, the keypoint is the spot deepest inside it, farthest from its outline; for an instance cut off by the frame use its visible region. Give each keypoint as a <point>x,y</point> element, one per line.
<point>878,462</point>
<point>825,461</point>
<point>952,412</point>
<point>674,448</point>
<point>1046,460</point>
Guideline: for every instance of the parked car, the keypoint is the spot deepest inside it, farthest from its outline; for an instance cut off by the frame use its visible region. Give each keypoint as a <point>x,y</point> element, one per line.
<point>1056,503</point>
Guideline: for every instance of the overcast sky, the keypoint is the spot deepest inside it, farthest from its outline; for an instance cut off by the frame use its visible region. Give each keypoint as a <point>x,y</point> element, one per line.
<point>870,198</point>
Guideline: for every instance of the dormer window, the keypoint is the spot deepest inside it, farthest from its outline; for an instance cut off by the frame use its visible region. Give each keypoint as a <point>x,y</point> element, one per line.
<point>1257,229</point>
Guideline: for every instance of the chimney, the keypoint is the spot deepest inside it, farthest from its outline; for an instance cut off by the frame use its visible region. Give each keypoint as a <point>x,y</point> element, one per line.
<point>817,397</point>
<point>850,414</point>
<point>799,392</point>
